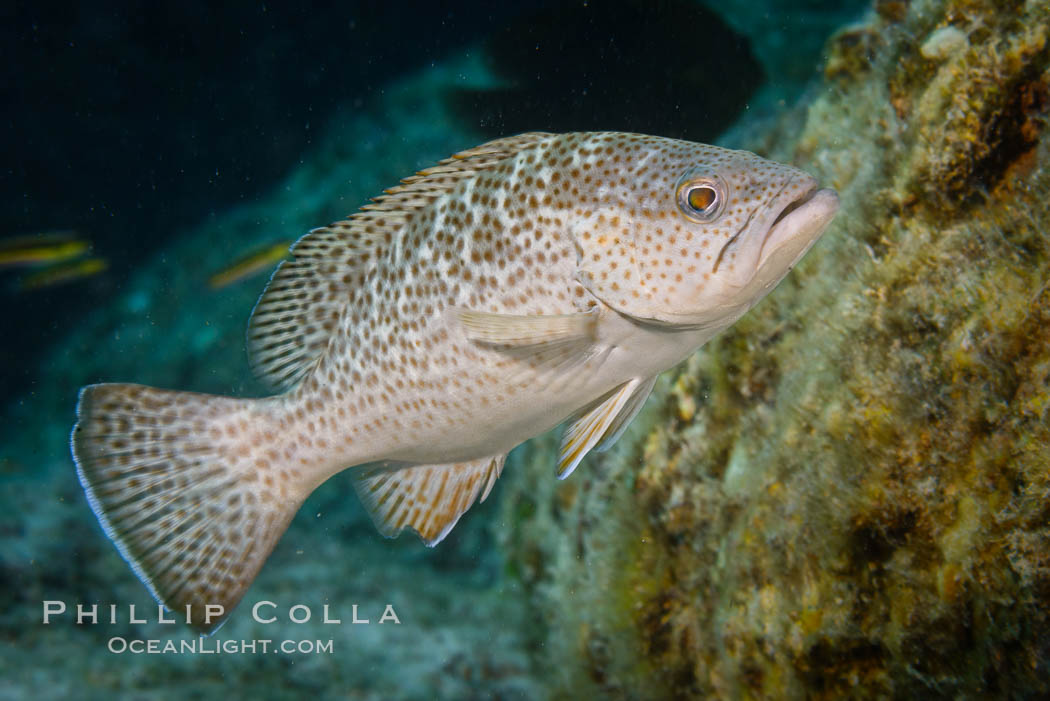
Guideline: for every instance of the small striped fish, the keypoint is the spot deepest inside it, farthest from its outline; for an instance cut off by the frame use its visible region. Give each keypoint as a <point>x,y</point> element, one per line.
<point>481,302</point>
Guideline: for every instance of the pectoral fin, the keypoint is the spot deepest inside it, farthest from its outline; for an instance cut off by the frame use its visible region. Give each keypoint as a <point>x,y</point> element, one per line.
<point>427,498</point>
<point>519,331</point>
<point>598,427</point>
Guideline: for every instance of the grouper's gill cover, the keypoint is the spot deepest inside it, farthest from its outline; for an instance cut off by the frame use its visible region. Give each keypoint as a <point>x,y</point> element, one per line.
<point>483,301</point>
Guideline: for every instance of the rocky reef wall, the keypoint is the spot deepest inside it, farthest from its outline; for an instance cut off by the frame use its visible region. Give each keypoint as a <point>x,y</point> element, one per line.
<point>848,493</point>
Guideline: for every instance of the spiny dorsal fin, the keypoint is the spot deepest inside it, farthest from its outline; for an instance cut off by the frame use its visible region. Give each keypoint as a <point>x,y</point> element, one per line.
<point>418,190</point>
<point>598,427</point>
<point>427,498</point>
<point>294,319</point>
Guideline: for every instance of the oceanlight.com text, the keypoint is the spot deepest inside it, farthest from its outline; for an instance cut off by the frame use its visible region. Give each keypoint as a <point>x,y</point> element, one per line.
<point>208,646</point>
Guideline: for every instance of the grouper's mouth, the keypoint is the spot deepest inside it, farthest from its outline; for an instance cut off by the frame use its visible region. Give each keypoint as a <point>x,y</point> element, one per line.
<point>797,227</point>
<point>791,207</point>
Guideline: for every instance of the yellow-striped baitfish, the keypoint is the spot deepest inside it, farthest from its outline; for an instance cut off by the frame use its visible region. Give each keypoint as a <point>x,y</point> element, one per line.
<point>41,249</point>
<point>62,273</point>
<point>249,264</point>
<point>481,302</point>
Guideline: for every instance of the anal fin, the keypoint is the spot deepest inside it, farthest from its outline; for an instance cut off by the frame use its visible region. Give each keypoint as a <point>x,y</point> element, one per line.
<point>427,498</point>
<point>598,427</point>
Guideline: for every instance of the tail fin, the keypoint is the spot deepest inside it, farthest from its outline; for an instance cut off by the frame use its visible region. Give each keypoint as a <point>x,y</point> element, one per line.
<point>180,485</point>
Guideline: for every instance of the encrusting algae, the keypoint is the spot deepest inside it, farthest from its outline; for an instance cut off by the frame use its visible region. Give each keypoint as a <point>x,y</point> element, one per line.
<point>847,494</point>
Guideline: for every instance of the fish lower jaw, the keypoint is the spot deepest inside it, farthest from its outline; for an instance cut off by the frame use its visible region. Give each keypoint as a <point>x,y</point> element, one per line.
<point>792,233</point>
<point>803,218</point>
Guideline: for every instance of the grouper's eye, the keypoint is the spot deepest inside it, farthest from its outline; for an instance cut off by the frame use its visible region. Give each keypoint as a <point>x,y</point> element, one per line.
<point>701,198</point>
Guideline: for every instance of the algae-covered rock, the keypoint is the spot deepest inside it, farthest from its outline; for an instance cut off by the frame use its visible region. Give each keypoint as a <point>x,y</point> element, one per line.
<point>848,493</point>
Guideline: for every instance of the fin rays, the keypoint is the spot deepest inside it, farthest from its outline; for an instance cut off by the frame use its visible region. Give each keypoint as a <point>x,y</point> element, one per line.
<point>547,346</point>
<point>600,425</point>
<point>191,528</point>
<point>427,498</point>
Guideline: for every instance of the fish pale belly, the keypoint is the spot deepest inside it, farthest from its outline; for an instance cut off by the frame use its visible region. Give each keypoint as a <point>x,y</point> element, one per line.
<point>512,402</point>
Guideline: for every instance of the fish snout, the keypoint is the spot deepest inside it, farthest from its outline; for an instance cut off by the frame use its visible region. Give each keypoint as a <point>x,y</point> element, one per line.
<point>794,231</point>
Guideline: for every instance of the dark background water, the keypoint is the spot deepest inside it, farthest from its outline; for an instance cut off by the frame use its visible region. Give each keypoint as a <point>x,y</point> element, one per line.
<point>128,121</point>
